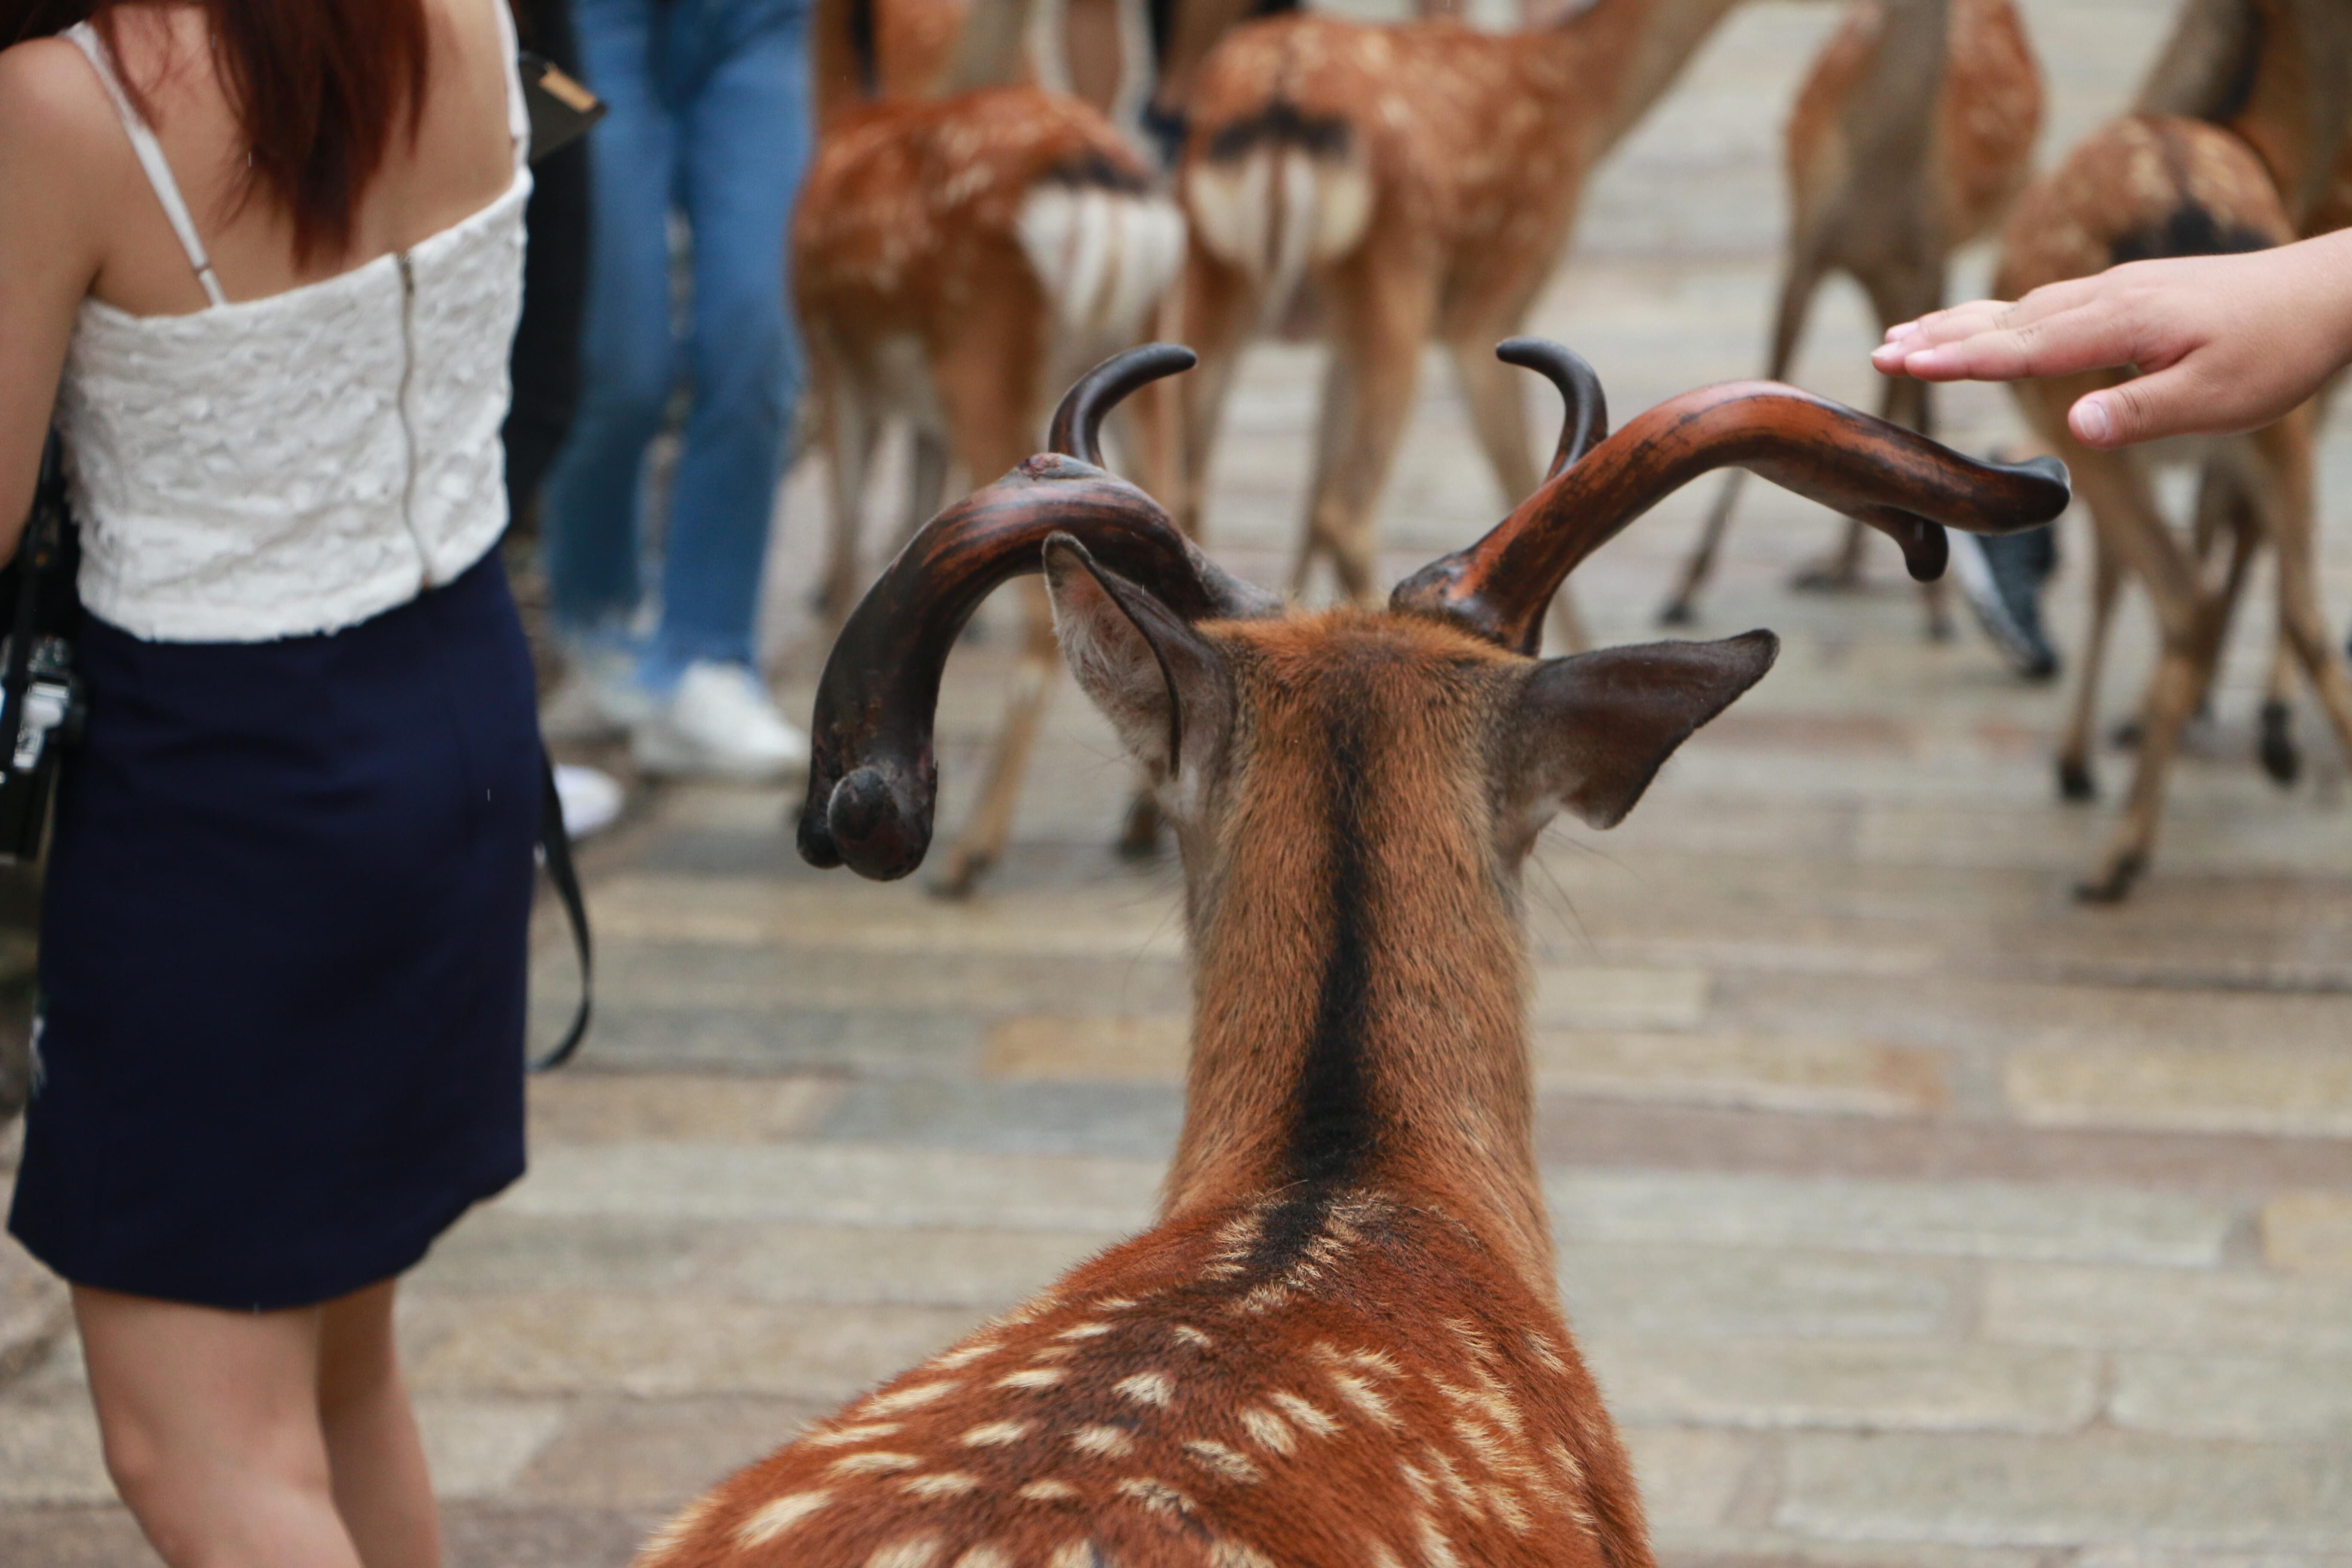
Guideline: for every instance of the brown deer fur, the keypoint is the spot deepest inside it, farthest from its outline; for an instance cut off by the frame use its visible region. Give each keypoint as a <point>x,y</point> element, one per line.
<point>1422,180</point>
<point>2254,168</point>
<point>1911,136</point>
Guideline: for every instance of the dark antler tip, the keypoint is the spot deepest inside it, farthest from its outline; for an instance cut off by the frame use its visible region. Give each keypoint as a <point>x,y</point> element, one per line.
<point>816,840</point>
<point>869,830</point>
<point>1927,550</point>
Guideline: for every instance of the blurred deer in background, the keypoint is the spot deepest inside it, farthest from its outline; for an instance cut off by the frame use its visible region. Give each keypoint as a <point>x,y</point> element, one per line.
<point>1341,1345</point>
<point>955,258</point>
<point>1422,181</point>
<point>2239,143</point>
<point>1911,137</point>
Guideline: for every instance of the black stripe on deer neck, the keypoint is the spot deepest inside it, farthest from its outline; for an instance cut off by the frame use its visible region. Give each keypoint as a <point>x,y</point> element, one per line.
<point>1331,1133</point>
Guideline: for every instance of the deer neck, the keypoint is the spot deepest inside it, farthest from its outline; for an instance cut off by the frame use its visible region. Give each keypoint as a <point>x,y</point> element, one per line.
<point>1359,985</point>
<point>995,46</point>
<point>1630,52</point>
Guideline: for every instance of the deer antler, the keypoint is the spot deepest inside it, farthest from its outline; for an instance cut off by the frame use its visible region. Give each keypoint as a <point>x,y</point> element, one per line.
<point>873,779</point>
<point>1585,418</point>
<point>1899,483</point>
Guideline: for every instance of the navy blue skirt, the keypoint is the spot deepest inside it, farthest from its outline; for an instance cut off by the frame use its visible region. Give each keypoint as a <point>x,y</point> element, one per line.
<point>284,954</point>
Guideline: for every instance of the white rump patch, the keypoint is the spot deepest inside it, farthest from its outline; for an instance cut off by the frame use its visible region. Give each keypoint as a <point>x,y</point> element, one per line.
<point>775,1517</point>
<point>1276,212</point>
<point>1103,256</point>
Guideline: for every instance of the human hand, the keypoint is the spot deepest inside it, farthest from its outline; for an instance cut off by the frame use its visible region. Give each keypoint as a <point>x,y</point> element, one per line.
<point>2223,343</point>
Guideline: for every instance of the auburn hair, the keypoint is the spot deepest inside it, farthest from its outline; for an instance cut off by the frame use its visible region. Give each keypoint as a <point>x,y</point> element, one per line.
<point>319,89</point>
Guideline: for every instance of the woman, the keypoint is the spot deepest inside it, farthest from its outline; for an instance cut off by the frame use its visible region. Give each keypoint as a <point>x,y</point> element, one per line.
<point>267,253</point>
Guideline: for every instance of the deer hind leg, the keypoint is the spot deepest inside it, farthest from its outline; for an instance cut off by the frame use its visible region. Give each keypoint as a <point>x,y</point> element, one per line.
<point>1219,308</point>
<point>1381,317</point>
<point>2286,450</point>
<point>2075,781</point>
<point>926,480</point>
<point>852,429</point>
<point>1798,283</point>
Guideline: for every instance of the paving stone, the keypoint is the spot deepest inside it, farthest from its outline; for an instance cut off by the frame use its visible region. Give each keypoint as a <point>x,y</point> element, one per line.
<point>1763,1072</point>
<point>499,1248</point>
<point>33,1302</point>
<point>979,1268</point>
<point>1977,1220</point>
<point>1585,1131</point>
<point>2210,1392</point>
<point>1875,1384</point>
<point>1739,1547</point>
<point>687,976</point>
<point>656,1347</point>
<point>871,1043</point>
<point>2129,1556</point>
<point>1687,1478</point>
<point>1716,1292</point>
<point>491,1535</point>
<point>72,1537</point>
<point>2309,1231</point>
<point>655,1454</point>
<point>1130,1120</point>
<point>2165,1309</point>
<point>50,1453</point>
<point>841,1183</point>
<point>2050,1491</point>
<point>585,1107</point>
<point>1088,1048</point>
<point>2304,1091</point>
<point>1599,997</point>
<point>476,1447</point>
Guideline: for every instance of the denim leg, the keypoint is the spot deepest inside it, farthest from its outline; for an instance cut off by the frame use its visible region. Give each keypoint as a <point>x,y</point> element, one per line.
<point>627,359</point>
<point>746,133</point>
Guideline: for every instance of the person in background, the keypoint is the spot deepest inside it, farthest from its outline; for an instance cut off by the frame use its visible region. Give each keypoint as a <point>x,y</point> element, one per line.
<point>261,260</point>
<point>709,122</point>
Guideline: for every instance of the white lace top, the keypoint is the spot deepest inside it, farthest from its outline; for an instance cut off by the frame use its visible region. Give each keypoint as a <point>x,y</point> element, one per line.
<point>299,463</point>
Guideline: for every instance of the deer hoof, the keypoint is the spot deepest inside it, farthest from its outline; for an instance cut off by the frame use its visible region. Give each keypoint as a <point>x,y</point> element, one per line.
<point>2281,758</point>
<point>2116,884</point>
<point>2074,782</point>
<point>960,876</point>
<point>1678,612</point>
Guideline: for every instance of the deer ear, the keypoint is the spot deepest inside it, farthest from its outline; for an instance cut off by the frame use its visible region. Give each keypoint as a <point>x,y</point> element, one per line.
<point>1590,731</point>
<point>1161,684</point>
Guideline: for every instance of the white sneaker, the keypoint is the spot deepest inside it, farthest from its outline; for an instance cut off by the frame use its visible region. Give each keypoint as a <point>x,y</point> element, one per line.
<point>591,798</point>
<point>600,696</point>
<point>720,723</point>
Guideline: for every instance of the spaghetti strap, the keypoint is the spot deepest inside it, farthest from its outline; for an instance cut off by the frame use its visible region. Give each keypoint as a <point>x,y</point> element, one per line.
<point>151,156</point>
<point>518,110</point>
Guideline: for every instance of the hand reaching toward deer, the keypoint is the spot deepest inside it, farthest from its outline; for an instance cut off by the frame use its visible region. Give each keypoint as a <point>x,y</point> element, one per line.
<point>2223,343</point>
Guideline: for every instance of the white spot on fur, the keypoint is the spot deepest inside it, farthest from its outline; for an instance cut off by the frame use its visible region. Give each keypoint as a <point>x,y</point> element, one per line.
<point>772,1518</point>
<point>1031,1377</point>
<point>947,1483</point>
<point>910,1397</point>
<point>1233,1555</point>
<point>1268,1430</point>
<point>1436,1552</point>
<point>1224,1461</point>
<point>1357,1391</point>
<point>914,1552</point>
<point>1107,1441</point>
<point>1115,1304</point>
<point>1156,1495</point>
<point>1191,1335</point>
<point>873,1462</point>
<point>987,1555</point>
<point>1084,1332</point>
<point>682,1524</point>
<point>1547,1355</point>
<point>1304,1414</point>
<point>994,1433</point>
<point>1379,1556</point>
<point>1265,1299</point>
<point>1049,1491</point>
<point>1146,1388</point>
<point>1072,1555</point>
<point>843,1435</point>
<point>964,1355</point>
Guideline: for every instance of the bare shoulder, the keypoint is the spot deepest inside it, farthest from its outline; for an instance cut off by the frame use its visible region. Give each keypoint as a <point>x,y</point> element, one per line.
<point>51,99</point>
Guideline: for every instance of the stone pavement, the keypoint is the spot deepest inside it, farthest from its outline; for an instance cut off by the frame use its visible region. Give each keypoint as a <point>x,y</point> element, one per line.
<point>1909,1214</point>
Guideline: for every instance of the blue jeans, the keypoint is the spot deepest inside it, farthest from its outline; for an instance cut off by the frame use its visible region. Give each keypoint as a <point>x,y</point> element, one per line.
<point>710,119</point>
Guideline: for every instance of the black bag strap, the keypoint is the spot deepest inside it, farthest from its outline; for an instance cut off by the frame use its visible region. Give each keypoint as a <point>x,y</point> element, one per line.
<point>555,848</point>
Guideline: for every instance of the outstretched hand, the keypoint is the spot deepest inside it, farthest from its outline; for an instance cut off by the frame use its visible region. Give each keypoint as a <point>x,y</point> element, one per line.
<point>2222,343</point>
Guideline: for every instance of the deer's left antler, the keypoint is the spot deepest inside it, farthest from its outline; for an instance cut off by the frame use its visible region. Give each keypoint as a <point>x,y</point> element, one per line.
<point>1900,483</point>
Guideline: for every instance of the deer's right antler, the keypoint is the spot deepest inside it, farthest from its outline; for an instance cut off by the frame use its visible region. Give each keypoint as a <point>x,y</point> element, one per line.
<point>1900,483</point>
<point>872,777</point>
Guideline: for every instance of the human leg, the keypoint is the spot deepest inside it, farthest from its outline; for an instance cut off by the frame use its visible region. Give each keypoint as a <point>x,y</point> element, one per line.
<point>745,127</point>
<point>374,1456</point>
<point>210,1420</point>
<point>627,356</point>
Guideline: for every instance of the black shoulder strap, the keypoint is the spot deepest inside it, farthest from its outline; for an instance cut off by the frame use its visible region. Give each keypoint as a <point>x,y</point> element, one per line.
<point>555,847</point>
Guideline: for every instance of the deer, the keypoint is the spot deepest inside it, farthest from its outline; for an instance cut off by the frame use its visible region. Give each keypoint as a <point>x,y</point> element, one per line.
<point>1341,1341</point>
<point>1415,181</point>
<point>954,258</point>
<point>1911,137</point>
<point>2238,142</point>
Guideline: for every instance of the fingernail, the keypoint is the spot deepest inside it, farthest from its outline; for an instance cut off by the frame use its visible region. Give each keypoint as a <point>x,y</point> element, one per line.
<point>2092,422</point>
